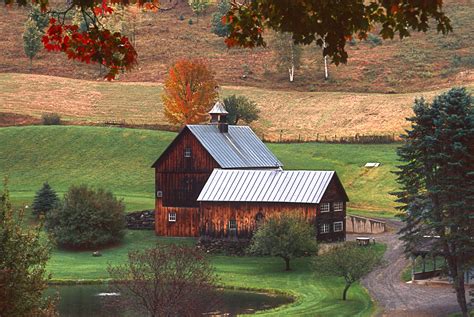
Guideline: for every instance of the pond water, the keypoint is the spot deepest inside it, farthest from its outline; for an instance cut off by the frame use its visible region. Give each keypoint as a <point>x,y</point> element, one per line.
<point>88,301</point>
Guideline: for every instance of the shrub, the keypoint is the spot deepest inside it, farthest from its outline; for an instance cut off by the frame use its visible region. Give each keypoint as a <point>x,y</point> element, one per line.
<point>374,40</point>
<point>181,17</point>
<point>190,21</point>
<point>51,119</point>
<point>86,219</point>
<point>45,200</point>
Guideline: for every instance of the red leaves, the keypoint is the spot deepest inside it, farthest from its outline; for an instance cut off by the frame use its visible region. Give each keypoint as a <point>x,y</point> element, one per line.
<point>114,51</point>
<point>104,9</point>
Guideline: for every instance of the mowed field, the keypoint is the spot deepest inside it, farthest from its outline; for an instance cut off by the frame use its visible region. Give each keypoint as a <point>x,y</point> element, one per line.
<point>294,114</point>
<point>120,160</point>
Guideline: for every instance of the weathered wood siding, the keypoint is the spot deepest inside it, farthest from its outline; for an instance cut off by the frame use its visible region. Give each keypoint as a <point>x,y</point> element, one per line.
<point>181,178</point>
<point>356,224</point>
<point>186,224</point>
<point>334,193</point>
<point>215,216</point>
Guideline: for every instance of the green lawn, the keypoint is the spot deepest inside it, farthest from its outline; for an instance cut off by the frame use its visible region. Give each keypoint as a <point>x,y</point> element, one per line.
<point>316,295</point>
<point>120,160</point>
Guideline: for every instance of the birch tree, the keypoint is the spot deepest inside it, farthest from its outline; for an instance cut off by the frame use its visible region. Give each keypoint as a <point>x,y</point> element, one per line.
<point>287,54</point>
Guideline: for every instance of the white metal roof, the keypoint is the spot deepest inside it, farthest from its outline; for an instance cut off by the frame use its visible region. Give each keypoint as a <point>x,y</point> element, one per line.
<point>266,186</point>
<point>240,147</point>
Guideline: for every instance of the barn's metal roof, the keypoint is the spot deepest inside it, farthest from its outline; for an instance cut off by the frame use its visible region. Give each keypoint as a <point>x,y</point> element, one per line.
<point>266,186</point>
<point>238,148</point>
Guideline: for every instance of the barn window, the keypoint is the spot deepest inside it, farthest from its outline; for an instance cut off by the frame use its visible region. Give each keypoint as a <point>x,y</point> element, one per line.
<point>324,228</point>
<point>338,226</point>
<point>187,152</point>
<point>172,217</point>
<point>325,207</point>
<point>232,225</point>
<point>338,206</point>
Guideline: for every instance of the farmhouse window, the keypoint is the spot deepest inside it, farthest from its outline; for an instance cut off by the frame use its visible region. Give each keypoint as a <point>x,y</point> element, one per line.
<point>324,228</point>
<point>338,226</point>
<point>338,206</point>
<point>232,225</point>
<point>325,207</point>
<point>172,217</point>
<point>187,152</point>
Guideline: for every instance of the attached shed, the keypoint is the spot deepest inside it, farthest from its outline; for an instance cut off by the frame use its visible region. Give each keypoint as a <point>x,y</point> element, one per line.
<point>233,202</point>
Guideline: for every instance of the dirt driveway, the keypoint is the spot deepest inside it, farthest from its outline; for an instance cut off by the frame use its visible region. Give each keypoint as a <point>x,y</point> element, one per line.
<point>397,298</point>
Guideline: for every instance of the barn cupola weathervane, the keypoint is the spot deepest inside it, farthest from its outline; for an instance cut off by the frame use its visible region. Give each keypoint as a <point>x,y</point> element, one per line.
<point>219,117</point>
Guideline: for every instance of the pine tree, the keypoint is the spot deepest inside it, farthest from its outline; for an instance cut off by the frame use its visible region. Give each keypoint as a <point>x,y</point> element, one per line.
<point>287,54</point>
<point>45,200</point>
<point>437,181</point>
<point>31,40</point>
<point>217,27</point>
<point>40,18</point>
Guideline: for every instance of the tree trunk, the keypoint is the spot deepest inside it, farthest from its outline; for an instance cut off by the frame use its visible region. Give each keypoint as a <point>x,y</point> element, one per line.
<point>31,64</point>
<point>291,71</point>
<point>344,293</point>
<point>326,73</point>
<point>458,281</point>
<point>287,263</point>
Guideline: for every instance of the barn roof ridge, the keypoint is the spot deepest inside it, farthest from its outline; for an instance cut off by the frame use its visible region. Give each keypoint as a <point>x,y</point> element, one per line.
<point>240,147</point>
<point>284,186</point>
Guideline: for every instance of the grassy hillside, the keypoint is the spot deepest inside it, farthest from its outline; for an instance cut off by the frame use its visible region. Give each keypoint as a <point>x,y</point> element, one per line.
<point>120,160</point>
<point>423,62</point>
<point>296,113</point>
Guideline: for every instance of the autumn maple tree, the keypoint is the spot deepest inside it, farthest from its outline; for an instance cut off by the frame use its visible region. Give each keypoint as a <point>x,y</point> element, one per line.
<point>189,92</point>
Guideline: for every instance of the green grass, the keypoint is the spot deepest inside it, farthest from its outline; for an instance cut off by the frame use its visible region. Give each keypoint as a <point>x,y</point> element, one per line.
<point>120,159</point>
<point>315,295</point>
<point>429,266</point>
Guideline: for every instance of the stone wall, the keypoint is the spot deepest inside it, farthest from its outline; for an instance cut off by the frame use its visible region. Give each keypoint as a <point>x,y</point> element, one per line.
<point>356,224</point>
<point>141,220</point>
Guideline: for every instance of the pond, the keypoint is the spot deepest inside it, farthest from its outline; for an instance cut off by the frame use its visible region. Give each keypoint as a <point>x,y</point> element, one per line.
<point>88,300</point>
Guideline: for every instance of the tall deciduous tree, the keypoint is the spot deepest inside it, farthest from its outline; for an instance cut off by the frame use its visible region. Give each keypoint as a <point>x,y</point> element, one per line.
<point>45,200</point>
<point>189,92</point>
<point>31,40</point>
<point>23,257</point>
<point>349,261</point>
<point>240,108</point>
<point>334,21</point>
<point>284,236</point>
<point>287,54</point>
<point>437,181</point>
<point>167,280</point>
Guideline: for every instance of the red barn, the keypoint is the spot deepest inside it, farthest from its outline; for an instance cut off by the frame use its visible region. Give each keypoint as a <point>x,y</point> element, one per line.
<point>220,180</point>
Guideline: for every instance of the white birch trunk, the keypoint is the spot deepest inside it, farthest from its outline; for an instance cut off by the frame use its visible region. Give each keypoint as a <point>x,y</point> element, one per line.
<point>326,72</point>
<point>291,71</point>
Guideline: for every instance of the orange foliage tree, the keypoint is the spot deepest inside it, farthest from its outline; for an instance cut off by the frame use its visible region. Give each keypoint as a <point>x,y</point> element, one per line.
<point>189,92</point>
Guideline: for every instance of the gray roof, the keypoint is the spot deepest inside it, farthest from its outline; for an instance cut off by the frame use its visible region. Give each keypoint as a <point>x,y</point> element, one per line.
<point>240,147</point>
<point>266,186</point>
<point>218,108</point>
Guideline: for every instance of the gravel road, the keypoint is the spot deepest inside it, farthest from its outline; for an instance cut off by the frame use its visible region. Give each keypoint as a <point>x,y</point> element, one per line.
<point>397,298</point>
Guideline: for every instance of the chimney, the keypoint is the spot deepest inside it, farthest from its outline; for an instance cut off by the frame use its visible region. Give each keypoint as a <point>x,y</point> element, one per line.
<point>219,117</point>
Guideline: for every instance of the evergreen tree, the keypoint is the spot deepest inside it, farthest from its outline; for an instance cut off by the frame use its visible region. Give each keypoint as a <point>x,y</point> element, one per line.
<point>40,18</point>
<point>287,54</point>
<point>23,257</point>
<point>45,200</point>
<point>437,181</point>
<point>31,40</point>
<point>217,27</point>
